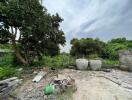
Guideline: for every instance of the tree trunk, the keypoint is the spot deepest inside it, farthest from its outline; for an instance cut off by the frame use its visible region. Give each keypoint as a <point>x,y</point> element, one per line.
<point>17,53</point>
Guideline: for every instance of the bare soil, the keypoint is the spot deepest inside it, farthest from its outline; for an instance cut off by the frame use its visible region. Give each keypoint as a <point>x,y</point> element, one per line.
<point>91,85</point>
<point>98,85</point>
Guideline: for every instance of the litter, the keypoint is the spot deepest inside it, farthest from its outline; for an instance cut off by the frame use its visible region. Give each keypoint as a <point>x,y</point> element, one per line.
<point>59,84</point>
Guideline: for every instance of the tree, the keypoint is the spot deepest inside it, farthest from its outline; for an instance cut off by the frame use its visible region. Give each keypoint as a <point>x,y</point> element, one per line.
<point>29,28</point>
<point>86,47</point>
<point>114,46</point>
<point>118,40</point>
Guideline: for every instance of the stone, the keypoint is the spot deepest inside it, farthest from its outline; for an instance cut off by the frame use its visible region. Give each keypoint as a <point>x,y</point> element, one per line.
<point>107,70</point>
<point>125,59</point>
<point>71,67</point>
<point>82,64</point>
<point>95,64</point>
<point>20,69</point>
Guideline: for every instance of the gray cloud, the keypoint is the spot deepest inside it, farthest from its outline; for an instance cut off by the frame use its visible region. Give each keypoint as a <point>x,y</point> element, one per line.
<point>105,19</point>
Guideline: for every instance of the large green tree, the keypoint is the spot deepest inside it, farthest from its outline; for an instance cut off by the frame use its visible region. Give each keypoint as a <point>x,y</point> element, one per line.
<point>30,29</point>
<point>86,47</point>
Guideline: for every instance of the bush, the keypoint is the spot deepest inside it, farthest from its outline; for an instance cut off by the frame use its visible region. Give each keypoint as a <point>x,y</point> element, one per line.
<point>6,60</point>
<point>6,46</point>
<point>110,62</point>
<point>112,50</point>
<point>86,46</point>
<point>60,61</point>
<point>93,56</point>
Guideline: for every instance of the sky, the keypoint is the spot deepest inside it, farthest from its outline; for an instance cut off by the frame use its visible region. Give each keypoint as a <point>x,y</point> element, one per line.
<point>103,19</point>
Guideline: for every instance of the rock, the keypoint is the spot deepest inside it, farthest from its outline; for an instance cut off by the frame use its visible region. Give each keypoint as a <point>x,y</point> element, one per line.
<point>20,69</point>
<point>95,64</point>
<point>71,67</point>
<point>107,70</point>
<point>82,64</point>
<point>125,59</point>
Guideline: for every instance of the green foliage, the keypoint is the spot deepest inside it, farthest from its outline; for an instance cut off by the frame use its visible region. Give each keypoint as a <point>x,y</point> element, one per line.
<point>118,40</point>
<point>6,72</point>
<point>93,56</point>
<point>60,61</point>
<point>114,46</point>
<point>86,46</point>
<point>38,31</point>
<point>112,50</point>
<point>110,62</point>
<point>6,60</point>
<point>94,48</point>
<point>5,46</point>
<point>6,69</point>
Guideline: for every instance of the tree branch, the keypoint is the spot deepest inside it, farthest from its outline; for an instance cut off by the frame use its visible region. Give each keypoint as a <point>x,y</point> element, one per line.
<point>19,38</point>
<point>15,32</point>
<point>12,30</point>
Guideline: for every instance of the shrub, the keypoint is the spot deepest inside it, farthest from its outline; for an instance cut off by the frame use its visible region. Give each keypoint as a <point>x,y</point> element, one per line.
<point>6,60</point>
<point>60,61</point>
<point>86,46</point>
<point>93,56</point>
<point>110,62</point>
<point>6,72</point>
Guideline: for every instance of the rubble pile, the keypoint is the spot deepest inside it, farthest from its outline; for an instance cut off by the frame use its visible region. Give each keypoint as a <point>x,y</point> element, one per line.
<point>59,85</point>
<point>47,85</point>
<point>6,86</point>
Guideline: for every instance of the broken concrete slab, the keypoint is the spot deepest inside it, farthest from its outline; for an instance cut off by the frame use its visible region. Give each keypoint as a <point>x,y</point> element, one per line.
<point>8,80</point>
<point>7,85</point>
<point>39,76</point>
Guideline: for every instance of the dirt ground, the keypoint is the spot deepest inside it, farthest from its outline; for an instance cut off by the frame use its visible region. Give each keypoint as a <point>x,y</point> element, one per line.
<point>91,85</point>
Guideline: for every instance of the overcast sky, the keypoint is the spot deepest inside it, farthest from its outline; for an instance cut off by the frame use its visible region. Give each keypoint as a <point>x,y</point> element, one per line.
<point>104,19</point>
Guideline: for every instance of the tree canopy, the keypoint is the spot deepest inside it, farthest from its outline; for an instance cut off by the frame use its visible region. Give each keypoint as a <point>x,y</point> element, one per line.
<point>86,47</point>
<point>30,29</point>
<point>109,50</point>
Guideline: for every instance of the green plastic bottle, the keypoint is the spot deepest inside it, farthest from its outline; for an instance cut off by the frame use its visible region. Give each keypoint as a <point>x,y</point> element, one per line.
<point>49,89</point>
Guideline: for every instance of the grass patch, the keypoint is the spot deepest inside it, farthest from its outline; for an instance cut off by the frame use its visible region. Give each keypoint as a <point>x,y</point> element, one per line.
<point>67,95</point>
<point>6,72</point>
<point>110,64</point>
<point>6,60</point>
<point>60,61</point>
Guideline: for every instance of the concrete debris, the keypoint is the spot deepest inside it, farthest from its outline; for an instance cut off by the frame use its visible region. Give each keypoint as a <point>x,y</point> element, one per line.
<point>20,69</point>
<point>39,76</point>
<point>60,84</point>
<point>71,67</point>
<point>107,70</point>
<point>106,85</point>
<point>6,86</point>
